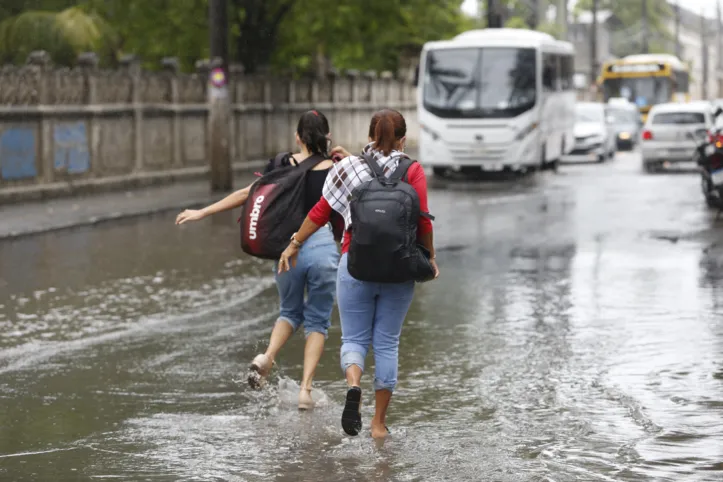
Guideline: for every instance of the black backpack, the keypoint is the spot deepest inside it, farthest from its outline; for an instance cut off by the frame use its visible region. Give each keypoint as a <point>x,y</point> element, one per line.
<point>384,217</point>
<point>274,210</point>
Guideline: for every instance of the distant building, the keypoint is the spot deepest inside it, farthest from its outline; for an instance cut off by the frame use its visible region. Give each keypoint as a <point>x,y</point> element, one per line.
<point>579,33</point>
<point>699,38</point>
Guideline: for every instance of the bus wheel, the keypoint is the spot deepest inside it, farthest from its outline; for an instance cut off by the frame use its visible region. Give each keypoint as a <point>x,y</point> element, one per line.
<point>543,158</point>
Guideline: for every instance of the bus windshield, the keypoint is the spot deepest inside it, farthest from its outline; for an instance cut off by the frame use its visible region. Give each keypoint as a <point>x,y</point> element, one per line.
<point>489,82</point>
<point>642,91</point>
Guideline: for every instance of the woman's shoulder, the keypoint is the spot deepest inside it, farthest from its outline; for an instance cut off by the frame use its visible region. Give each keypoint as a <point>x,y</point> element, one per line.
<point>324,165</point>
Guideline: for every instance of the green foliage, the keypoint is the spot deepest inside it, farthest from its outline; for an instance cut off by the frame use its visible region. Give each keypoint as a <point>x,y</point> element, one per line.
<point>63,35</point>
<point>370,35</point>
<point>153,29</point>
<point>286,34</point>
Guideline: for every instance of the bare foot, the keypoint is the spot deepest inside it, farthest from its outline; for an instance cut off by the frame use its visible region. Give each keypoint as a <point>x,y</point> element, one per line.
<point>379,430</point>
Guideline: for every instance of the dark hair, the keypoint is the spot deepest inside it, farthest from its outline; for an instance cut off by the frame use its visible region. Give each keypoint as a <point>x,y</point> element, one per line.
<point>313,130</point>
<point>386,129</point>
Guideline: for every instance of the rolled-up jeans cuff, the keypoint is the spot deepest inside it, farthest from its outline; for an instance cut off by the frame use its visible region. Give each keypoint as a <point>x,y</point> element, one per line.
<point>382,385</point>
<point>294,325</point>
<point>349,358</point>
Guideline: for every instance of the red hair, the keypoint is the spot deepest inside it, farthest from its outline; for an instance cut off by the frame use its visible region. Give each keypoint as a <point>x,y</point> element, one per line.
<point>386,129</point>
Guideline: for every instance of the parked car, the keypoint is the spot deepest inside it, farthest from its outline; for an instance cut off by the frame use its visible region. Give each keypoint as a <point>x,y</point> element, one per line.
<point>594,134</point>
<point>672,132</point>
<point>627,124</point>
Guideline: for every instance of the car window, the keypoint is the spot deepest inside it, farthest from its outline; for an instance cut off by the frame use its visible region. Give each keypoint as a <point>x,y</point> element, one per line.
<point>623,116</point>
<point>679,118</point>
<point>589,113</point>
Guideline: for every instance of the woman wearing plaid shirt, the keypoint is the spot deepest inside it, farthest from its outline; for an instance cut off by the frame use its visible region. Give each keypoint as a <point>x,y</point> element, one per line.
<point>371,313</point>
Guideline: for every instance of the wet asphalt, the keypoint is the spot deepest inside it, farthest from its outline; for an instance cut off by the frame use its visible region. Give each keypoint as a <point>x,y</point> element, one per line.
<point>576,333</point>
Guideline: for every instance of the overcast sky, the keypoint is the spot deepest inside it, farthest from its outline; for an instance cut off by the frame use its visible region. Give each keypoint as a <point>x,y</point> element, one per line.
<point>707,6</point>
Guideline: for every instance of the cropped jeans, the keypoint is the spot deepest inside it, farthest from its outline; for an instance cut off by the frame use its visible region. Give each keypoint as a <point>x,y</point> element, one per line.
<point>314,276</point>
<point>372,314</point>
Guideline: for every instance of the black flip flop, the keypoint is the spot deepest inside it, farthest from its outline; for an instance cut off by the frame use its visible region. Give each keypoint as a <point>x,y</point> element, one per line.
<point>351,416</point>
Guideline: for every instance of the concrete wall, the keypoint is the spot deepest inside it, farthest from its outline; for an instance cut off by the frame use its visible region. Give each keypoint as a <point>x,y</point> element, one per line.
<point>62,130</point>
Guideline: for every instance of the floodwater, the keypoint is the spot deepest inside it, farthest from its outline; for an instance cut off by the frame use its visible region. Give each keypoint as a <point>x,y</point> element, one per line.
<point>576,333</point>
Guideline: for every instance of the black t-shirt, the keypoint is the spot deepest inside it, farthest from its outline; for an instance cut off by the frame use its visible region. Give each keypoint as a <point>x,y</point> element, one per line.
<point>314,182</point>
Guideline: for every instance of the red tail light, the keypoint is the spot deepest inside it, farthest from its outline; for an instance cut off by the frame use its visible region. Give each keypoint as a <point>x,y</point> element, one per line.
<point>715,137</point>
<point>647,135</point>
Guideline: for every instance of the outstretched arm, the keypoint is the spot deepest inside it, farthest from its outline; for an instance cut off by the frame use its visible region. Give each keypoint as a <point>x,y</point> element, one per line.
<point>233,200</point>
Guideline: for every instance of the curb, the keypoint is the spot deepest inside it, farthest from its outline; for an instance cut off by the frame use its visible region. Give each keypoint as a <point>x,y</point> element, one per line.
<point>45,192</point>
<point>95,220</point>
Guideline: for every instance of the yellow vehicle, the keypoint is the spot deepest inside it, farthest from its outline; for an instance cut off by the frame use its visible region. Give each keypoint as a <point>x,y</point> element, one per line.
<point>646,80</point>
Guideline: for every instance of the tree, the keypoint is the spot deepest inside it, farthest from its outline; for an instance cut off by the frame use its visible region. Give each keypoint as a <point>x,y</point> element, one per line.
<point>370,35</point>
<point>63,35</point>
<point>153,29</point>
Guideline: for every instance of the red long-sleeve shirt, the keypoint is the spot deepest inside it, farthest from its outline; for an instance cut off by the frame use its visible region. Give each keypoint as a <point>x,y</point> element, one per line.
<point>321,212</point>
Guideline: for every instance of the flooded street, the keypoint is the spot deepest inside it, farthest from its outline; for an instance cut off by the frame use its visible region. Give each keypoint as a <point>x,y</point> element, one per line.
<point>576,333</point>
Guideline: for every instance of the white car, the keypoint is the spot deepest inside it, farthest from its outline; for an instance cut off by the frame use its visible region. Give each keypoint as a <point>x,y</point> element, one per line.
<point>594,134</point>
<point>672,132</point>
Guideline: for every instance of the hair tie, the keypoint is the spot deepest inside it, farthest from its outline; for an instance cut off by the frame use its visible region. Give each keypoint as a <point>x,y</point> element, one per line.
<point>315,113</point>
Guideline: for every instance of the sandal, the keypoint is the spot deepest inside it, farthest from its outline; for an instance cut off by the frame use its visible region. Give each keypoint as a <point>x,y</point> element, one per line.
<point>351,416</point>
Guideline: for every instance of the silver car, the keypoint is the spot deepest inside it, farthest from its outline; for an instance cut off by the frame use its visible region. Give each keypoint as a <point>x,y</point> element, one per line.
<point>594,134</point>
<point>672,132</point>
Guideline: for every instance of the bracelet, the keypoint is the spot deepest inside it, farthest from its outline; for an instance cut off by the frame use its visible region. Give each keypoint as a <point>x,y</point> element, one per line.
<point>295,242</point>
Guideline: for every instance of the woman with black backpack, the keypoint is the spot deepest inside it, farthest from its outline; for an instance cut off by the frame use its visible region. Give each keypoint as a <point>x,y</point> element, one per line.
<point>315,271</point>
<point>382,196</point>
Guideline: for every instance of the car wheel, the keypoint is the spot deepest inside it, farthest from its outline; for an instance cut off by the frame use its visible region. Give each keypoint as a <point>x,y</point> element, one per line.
<point>650,167</point>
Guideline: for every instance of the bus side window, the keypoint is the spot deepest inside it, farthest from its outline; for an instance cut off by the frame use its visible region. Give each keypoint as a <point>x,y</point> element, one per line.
<point>549,72</point>
<point>567,71</point>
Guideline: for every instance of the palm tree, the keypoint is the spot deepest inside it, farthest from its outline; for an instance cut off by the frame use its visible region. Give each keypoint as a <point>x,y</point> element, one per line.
<point>62,34</point>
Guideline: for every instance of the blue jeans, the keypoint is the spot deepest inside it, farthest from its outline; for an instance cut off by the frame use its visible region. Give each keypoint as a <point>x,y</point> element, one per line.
<point>315,276</point>
<point>372,314</point>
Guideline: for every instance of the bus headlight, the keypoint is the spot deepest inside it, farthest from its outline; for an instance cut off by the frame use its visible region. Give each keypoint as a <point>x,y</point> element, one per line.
<point>625,136</point>
<point>435,136</point>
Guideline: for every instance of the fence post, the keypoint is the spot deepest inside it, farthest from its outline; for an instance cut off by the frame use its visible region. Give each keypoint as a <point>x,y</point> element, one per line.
<point>219,135</point>
<point>387,78</point>
<point>132,66</point>
<point>88,63</point>
<point>171,68</point>
<point>353,112</point>
<point>40,61</point>
<point>237,96</point>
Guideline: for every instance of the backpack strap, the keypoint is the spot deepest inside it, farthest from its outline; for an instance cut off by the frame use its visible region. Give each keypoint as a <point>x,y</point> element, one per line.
<point>376,169</point>
<point>310,162</point>
<point>400,173</point>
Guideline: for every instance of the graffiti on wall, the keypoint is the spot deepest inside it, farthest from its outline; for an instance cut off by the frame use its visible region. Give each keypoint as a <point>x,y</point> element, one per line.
<point>18,153</point>
<point>70,141</point>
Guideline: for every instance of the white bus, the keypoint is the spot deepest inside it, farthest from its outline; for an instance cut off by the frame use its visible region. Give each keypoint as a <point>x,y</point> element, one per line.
<point>495,99</point>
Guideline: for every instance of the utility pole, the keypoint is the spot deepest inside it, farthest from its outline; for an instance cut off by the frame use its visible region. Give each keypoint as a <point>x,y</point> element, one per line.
<point>494,19</point>
<point>534,21</point>
<point>719,44</point>
<point>704,48</point>
<point>593,43</point>
<point>646,33</point>
<point>562,18</point>
<point>219,151</point>
<point>678,52</point>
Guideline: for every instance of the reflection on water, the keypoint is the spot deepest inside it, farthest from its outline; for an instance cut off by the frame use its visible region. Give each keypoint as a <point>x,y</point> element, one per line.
<point>550,349</point>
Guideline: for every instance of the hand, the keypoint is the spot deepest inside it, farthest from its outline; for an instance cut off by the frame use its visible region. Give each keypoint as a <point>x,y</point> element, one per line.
<point>288,258</point>
<point>339,152</point>
<point>190,215</point>
<point>433,262</point>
